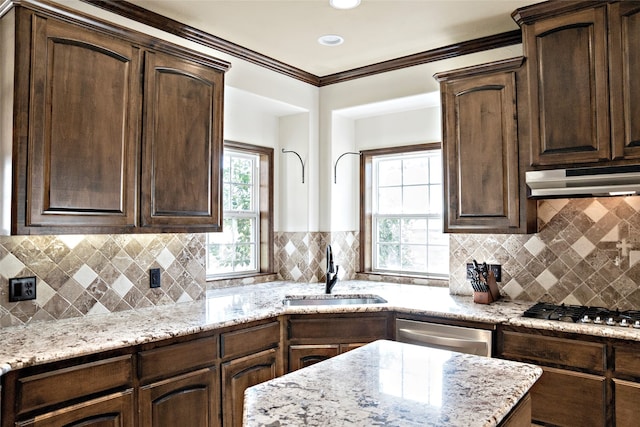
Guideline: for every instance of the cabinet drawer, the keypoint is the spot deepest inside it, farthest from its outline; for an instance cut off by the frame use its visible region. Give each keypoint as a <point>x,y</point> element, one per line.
<point>554,351</point>
<point>250,340</point>
<point>112,410</point>
<point>178,358</point>
<point>565,398</point>
<point>50,388</point>
<point>340,329</point>
<point>626,360</point>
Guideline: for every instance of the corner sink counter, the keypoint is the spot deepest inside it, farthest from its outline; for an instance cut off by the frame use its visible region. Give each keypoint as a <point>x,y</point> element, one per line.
<point>393,384</point>
<point>332,299</point>
<point>43,342</point>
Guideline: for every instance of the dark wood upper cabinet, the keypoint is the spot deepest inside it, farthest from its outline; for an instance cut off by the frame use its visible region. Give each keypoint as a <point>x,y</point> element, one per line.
<point>83,119</point>
<point>480,150</point>
<point>568,91</point>
<point>110,131</point>
<point>624,69</point>
<point>182,143</point>
<point>581,59</point>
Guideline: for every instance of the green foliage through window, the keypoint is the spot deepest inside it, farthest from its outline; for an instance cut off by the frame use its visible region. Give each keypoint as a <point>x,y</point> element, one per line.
<point>407,214</point>
<point>235,249</point>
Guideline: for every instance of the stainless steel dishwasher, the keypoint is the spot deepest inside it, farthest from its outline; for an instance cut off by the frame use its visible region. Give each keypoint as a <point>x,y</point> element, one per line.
<point>446,337</point>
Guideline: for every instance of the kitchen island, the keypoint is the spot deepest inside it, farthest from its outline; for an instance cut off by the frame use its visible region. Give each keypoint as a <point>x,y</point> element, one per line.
<point>395,384</point>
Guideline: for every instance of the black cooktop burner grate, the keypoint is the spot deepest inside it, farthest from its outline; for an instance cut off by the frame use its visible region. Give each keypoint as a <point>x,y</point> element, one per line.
<point>579,313</point>
<point>564,313</point>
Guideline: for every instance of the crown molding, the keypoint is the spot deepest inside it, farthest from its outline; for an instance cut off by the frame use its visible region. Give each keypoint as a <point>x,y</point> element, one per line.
<point>155,20</point>
<point>451,51</point>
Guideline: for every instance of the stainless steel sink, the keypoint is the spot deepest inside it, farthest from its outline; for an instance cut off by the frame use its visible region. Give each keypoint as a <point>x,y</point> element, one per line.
<point>332,299</point>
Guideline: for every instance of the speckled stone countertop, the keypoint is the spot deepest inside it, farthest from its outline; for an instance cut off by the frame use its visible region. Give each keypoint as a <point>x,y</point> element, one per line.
<point>392,384</point>
<point>42,342</point>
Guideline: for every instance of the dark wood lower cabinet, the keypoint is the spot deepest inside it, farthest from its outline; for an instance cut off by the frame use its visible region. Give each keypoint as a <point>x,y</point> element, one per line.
<point>567,398</point>
<point>238,375</point>
<point>301,356</point>
<point>520,416</point>
<point>587,380</point>
<point>627,398</point>
<point>314,338</point>
<point>114,410</point>
<point>190,400</point>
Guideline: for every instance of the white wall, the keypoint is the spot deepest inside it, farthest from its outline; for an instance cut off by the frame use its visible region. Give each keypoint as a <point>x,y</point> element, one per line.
<point>404,128</point>
<point>295,194</point>
<point>384,110</point>
<point>343,193</point>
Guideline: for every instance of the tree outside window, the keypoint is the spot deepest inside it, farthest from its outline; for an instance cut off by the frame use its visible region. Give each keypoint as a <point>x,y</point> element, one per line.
<point>236,248</point>
<point>405,208</point>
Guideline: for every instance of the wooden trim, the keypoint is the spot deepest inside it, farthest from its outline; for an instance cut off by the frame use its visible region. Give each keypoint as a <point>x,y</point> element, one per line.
<point>402,149</point>
<point>451,51</point>
<point>111,29</point>
<point>5,7</point>
<point>266,206</point>
<point>155,20</point>
<point>529,14</point>
<point>144,16</point>
<point>365,194</point>
<point>491,67</point>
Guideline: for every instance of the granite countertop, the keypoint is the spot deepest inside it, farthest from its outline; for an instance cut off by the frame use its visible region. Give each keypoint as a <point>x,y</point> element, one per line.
<point>42,342</point>
<point>392,384</point>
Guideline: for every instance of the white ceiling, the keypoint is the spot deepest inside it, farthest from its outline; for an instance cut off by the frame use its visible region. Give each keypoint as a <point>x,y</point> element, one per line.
<point>375,31</point>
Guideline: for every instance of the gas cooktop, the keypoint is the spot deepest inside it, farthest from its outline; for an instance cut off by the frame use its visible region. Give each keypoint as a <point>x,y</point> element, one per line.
<point>584,314</point>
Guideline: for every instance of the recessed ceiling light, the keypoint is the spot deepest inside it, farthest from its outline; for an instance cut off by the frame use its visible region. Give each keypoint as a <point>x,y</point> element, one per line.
<point>330,40</point>
<point>344,4</point>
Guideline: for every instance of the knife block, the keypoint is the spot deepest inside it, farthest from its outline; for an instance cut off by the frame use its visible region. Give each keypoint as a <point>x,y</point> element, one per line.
<point>493,293</point>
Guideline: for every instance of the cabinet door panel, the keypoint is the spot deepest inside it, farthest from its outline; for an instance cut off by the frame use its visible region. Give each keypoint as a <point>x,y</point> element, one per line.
<point>240,374</point>
<point>566,398</point>
<point>301,356</point>
<point>627,396</point>
<point>187,400</point>
<point>624,51</point>
<point>567,63</point>
<point>182,143</point>
<point>114,410</point>
<point>481,154</point>
<point>83,128</point>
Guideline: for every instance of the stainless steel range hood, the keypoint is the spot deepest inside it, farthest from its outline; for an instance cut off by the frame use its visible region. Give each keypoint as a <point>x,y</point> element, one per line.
<point>580,182</point>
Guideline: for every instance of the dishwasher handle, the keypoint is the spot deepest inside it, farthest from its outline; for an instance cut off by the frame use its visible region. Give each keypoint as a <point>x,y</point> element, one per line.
<point>462,345</point>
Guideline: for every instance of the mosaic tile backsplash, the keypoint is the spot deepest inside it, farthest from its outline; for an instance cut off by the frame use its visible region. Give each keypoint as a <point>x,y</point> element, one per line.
<point>80,275</point>
<point>301,257</point>
<point>587,252</point>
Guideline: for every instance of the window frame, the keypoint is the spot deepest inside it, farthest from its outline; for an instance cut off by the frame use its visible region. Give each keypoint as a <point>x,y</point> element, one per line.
<point>366,207</point>
<point>264,187</point>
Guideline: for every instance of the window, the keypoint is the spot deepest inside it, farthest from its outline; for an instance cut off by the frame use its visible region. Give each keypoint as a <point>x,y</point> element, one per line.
<point>403,212</point>
<point>244,247</point>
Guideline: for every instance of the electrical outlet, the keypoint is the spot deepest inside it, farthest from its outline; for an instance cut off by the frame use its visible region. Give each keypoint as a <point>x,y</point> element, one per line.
<point>154,278</point>
<point>496,268</point>
<point>22,289</point>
